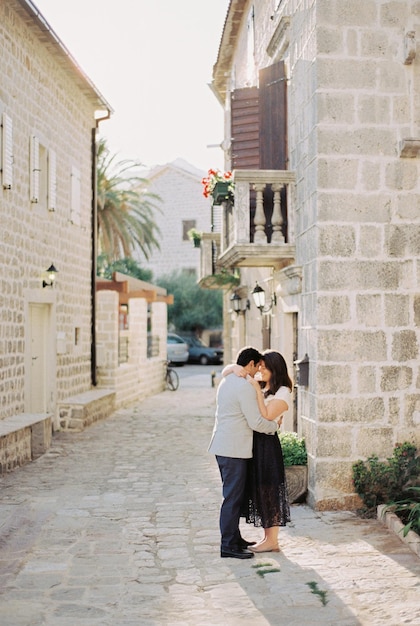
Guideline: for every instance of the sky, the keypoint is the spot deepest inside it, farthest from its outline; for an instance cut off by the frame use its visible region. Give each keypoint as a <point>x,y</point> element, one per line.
<point>152,60</point>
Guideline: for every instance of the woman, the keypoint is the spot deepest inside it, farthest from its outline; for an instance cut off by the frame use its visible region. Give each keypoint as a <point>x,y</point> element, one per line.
<point>266,497</point>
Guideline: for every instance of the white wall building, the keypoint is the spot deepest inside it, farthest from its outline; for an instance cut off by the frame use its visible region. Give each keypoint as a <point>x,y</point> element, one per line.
<point>183,206</point>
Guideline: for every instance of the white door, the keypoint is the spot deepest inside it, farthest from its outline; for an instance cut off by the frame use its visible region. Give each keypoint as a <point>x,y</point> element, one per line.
<point>39,316</point>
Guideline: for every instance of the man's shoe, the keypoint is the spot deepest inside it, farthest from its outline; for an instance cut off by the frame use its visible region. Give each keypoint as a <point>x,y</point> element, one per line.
<point>236,553</point>
<point>244,543</point>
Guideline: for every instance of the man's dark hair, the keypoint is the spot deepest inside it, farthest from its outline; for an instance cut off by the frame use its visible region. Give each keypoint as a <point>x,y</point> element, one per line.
<point>246,355</point>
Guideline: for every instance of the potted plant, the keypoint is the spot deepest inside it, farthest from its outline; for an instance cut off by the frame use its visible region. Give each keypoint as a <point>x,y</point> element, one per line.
<point>218,185</point>
<point>295,464</point>
<point>195,236</point>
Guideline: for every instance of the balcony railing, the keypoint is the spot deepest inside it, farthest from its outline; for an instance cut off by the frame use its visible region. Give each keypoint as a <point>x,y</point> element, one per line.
<point>210,250</point>
<point>256,228</point>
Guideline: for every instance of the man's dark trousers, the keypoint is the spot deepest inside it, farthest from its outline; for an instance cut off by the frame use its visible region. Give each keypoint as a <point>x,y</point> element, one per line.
<point>233,472</point>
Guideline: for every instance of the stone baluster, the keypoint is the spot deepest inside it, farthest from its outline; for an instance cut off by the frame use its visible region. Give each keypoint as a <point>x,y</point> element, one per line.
<point>277,219</point>
<point>259,218</point>
<point>241,212</point>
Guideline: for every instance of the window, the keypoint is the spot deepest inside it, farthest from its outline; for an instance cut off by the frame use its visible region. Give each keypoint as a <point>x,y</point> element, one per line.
<point>259,135</point>
<point>43,164</point>
<point>42,175</point>
<point>258,122</point>
<point>77,336</point>
<point>186,226</point>
<point>52,181</point>
<point>123,317</point>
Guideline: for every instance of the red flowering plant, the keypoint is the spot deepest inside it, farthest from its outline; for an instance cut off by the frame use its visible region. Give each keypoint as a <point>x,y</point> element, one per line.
<point>216,176</point>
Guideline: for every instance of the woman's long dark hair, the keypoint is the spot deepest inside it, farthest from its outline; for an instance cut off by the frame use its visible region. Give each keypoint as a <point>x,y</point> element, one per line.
<point>276,364</point>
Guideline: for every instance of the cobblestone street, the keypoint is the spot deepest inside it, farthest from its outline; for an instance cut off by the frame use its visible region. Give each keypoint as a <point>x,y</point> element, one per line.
<point>118,526</point>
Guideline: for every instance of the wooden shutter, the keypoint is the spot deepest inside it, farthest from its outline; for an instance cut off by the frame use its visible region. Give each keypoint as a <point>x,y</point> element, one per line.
<point>7,152</point>
<point>52,180</point>
<point>272,118</point>
<point>245,145</point>
<point>34,169</point>
<point>273,133</point>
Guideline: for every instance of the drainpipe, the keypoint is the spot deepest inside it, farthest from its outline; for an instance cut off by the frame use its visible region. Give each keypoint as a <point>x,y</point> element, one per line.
<point>94,263</point>
<point>93,373</point>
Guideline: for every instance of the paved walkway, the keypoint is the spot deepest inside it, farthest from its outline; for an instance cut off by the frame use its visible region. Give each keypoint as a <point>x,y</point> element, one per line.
<point>118,526</point>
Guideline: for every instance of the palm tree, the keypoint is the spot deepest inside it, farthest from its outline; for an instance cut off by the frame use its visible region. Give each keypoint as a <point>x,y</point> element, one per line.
<point>124,208</point>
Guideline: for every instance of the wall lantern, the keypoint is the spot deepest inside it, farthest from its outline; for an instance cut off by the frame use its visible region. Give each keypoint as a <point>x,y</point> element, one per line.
<point>50,272</point>
<point>258,294</point>
<point>239,305</point>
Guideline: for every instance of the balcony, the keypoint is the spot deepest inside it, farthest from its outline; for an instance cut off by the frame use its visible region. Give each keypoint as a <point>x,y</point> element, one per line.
<point>255,228</point>
<point>212,275</point>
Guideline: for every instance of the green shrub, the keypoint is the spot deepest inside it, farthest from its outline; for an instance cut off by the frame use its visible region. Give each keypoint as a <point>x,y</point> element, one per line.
<point>408,510</point>
<point>381,482</point>
<point>294,449</point>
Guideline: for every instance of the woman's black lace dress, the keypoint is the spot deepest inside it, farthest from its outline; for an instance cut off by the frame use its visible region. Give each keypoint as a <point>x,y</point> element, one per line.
<point>266,499</point>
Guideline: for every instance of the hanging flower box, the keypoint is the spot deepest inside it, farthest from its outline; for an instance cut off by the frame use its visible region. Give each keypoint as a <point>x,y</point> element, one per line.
<point>222,192</point>
<point>219,186</point>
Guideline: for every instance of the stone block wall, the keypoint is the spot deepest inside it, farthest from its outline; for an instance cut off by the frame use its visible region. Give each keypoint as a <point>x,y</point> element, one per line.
<point>107,319</point>
<point>44,97</point>
<point>353,113</point>
<point>357,234</point>
<point>140,376</point>
<point>15,450</point>
<point>78,412</point>
<point>23,437</point>
<point>41,437</point>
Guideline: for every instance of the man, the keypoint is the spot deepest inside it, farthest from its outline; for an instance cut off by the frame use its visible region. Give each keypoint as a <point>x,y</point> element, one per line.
<point>237,415</point>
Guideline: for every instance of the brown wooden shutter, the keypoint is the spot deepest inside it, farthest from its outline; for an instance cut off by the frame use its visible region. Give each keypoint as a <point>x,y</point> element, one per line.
<point>245,145</point>
<point>272,118</point>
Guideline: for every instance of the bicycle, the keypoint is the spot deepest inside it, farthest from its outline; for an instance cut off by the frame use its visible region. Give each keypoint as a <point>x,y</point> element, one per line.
<point>171,378</point>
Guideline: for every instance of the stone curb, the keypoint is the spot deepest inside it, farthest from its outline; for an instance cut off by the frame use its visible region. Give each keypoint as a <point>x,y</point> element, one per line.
<point>395,525</point>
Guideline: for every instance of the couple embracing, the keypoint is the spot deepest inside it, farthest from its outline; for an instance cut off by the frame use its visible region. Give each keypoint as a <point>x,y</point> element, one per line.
<point>248,450</point>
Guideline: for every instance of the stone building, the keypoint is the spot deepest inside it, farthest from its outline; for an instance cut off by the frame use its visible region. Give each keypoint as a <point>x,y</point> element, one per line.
<point>322,112</point>
<point>182,206</point>
<point>131,323</point>
<point>49,113</point>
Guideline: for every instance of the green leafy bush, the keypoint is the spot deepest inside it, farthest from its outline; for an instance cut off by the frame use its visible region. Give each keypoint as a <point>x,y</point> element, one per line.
<point>408,510</point>
<point>294,449</point>
<point>381,482</point>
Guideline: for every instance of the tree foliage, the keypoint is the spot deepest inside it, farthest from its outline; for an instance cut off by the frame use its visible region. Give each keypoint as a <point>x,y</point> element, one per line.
<point>124,208</point>
<point>127,266</point>
<point>194,308</point>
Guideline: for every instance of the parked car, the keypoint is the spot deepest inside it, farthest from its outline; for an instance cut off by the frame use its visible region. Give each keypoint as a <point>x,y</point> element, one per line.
<point>177,349</point>
<point>200,353</point>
